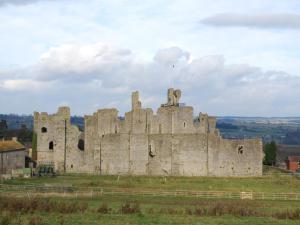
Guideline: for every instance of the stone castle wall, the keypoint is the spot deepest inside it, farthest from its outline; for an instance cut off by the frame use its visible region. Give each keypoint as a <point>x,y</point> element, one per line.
<point>171,142</point>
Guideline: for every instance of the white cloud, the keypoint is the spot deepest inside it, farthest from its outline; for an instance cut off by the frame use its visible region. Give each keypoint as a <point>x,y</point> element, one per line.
<point>18,2</point>
<point>97,74</point>
<point>263,20</point>
<point>23,85</point>
<point>171,56</point>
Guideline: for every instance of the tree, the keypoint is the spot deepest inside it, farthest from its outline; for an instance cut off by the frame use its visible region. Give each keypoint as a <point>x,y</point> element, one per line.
<point>34,146</point>
<point>3,128</point>
<point>270,150</point>
<point>24,135</point>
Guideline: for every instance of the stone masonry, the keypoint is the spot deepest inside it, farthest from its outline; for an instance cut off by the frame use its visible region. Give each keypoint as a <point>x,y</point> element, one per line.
<point>171,142</point>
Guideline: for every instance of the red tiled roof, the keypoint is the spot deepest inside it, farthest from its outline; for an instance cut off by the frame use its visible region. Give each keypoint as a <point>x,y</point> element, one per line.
<point>10,146</point>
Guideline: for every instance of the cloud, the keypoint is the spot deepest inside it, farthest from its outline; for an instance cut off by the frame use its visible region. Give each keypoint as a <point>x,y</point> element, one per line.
<point>18,2</point>
<point>263,20</point>
<point>23,85</point>
<point>171,55</point>
<point>99,75</point>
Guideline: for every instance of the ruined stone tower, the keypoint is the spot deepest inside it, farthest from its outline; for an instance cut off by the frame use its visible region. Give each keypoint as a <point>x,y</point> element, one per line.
<point>170,142</point>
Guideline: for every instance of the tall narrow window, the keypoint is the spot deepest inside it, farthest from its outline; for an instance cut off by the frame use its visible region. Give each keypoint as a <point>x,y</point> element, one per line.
<point>183,124</point>
<point>116,129</point>
<point>159,128</point>
<point>81,145</point>
<point>51,145</point>
<point>151,151</point>
<point>44,130</point>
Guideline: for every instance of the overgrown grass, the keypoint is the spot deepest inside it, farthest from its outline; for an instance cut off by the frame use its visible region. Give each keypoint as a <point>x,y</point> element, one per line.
<point>134,210</point>
<point>23,205</point>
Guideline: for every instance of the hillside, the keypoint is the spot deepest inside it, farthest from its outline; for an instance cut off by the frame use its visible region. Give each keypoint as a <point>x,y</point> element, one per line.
<point>284,130</point>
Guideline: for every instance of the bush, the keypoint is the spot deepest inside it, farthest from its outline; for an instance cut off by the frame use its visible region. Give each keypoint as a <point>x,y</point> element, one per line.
<point>270,150</point>
<point>23,205</point>
<point>293,215</point>
<point>103,209</point>
<point>128,208</point>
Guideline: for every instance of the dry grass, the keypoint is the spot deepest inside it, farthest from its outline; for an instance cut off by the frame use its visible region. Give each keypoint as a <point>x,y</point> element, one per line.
<point>23,205</point>
<point>129,208</point>
<point>104,209</point>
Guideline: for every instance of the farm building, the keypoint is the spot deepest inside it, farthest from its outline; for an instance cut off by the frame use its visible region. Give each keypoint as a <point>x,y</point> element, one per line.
<point>293,163</point>
<point>12,156</point>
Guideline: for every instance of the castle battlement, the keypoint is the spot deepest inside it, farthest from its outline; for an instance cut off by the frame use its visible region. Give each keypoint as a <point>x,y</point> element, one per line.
<point>170,142</point>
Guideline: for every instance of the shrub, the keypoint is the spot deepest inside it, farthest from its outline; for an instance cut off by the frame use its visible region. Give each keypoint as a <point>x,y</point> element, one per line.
<point>288,214</point>
<point>23,205</point>
<point>221,208</point>
<point>128,208</point>
<point>103,209</point>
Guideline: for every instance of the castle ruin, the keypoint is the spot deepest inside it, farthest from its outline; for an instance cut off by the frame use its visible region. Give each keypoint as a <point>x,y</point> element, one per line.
<point>170,142</point>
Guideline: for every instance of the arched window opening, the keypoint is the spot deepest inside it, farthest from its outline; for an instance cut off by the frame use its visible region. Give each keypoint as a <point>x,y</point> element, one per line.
<point>116,129</point>
<point>159,128</point>
<point>81,145</point>
<point>44,130</point>
<point>51,145</point>
<point>183,124</point>
<point>71,166</point>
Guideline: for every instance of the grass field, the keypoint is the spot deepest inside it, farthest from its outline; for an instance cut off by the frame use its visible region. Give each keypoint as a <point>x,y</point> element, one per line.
<point>135,209</point>
<point>274,182</point>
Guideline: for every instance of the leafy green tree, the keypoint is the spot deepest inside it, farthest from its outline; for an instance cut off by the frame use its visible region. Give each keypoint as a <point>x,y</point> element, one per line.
<point>24,134</point>
<point>34,146</point>
<point>270,150</point>
<point>3,128</point>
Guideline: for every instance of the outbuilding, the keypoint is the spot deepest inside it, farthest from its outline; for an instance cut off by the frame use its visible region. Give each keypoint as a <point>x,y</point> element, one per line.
<point>12,156</point>
<point>293,163</point>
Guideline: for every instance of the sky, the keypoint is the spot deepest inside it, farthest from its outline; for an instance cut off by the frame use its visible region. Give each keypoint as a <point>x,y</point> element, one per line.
<point>229,57</point>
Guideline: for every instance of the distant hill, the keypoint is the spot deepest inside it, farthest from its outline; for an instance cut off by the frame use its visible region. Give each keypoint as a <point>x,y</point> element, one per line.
<point>284,130</point>
<point>14,121</point>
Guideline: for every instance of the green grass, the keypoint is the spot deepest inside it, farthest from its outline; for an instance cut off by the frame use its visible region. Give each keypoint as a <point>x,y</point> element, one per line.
<point>112,219</point>
<point>167,209</point>
<point>277,182</point>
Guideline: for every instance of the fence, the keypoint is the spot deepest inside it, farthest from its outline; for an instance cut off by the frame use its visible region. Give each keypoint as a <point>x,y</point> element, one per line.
<point>63,191</point>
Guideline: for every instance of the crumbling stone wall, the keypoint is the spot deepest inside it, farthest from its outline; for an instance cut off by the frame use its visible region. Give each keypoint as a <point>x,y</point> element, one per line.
<point>168,143</point>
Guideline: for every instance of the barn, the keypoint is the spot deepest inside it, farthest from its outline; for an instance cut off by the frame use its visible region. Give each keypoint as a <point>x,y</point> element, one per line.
<point>12,156</point>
